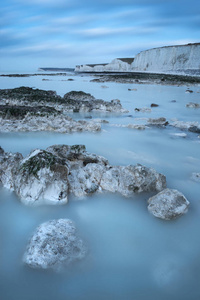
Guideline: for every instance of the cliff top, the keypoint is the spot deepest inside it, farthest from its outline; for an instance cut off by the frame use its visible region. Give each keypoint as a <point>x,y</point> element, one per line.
<point>185,45</point>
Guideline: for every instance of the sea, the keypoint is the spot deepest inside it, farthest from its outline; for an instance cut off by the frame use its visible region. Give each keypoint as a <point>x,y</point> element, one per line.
<point>131,254</point>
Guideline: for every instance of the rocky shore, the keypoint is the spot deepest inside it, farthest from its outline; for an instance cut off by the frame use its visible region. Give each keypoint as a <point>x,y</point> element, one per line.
<point>50,176</point>
<point>142,78</point>
<point>28,109</point>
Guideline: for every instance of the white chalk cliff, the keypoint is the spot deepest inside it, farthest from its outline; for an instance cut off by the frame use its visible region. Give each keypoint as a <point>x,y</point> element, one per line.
<point>116,65</point>
<point>171,59</point>
<point>180,59</point>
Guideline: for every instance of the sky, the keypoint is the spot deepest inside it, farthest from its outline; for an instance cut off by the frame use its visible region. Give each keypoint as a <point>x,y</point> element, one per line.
<point>66,33</point>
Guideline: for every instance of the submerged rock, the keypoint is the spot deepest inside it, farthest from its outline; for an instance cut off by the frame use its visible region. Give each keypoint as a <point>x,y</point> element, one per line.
<point>54,245</point>
<point>143,109</point>
<point>193,105</point>
<point>196,177</point>
<point>41,178</point>
<point>168,204</point>
<point>190,126</point>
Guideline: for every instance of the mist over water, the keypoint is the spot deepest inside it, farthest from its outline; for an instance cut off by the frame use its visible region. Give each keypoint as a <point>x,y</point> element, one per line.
<point>132,255</point>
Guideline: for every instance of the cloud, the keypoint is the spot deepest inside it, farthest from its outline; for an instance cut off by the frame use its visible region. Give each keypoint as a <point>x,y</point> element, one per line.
<point>106,31</point>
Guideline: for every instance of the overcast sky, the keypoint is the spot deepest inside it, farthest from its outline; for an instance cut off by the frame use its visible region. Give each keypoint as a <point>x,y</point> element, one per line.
<point>63,33</point>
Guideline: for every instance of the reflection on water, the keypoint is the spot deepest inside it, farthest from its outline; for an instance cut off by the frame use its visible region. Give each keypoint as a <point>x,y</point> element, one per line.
<point>132,255</point>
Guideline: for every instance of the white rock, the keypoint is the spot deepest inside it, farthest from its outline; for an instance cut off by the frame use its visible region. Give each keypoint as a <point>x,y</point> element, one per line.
<point>8,162</point>
<point>125,180</point>
<point>46,177</point>
<point>54,245</point>
<point>168,204</point>
<point>41,178</point>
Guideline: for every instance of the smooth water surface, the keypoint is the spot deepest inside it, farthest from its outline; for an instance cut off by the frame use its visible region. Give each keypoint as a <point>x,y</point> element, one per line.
<point>132,255</point>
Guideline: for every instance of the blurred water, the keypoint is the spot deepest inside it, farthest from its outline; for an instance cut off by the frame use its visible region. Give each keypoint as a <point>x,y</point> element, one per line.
<point>132,255</point>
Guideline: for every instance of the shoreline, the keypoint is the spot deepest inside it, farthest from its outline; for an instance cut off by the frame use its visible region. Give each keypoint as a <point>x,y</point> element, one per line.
<point>124,77</point>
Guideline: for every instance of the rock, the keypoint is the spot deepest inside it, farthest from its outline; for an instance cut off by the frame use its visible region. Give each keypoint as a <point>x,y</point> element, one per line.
<point>189,91</point>
<point>124,180</point>
<point>168,204</point>
<point>143,109</point>
<point>132,179</point>
<point>54,245</point>
<point>131,126</point>
<point>76,155</point>
<point>190,126</point>
<point>41,178</point>
<point>196,177</point>
<point>73,101</point>
<point>195,129</point>
<point>180,134</point>
<point>47,122</point>
<point>158,122</point>
<point>193,105</point>
<point>8,163</point>
<point>154,105</point>
<point>47,176</point>
<point>136,126</point>
<point>78,96</point>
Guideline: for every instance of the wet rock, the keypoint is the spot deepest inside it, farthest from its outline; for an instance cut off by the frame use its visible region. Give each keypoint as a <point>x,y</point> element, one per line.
<point>168,204</point>
<point>47,122</point>
<point>54,245</point>
<point>8,164</point>
<point>154,105</point>
<point>195,129</point>
<point>158,122</point>
<point>78,96</point>
<point>193,105</point>
<point>124,180</point>
<point>41,178</point>
<point>179,134</point>
<point>191,126</point>
<point>76,154</point>
<point>143,109</point>
<point>73,101</point>
<point>47,176</point>
<point>132,179</point>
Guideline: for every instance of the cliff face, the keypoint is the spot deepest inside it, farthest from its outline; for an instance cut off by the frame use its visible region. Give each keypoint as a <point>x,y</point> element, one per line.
<point>116,65</point>
<point>183,59</point>
<point>171,59</point>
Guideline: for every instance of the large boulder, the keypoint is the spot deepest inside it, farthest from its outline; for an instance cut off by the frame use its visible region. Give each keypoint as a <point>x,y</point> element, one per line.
<point>54,245</point>
<point>132,179</point>
<point>125,180</point>
<point>168,204</point>
<point>42,178</point>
